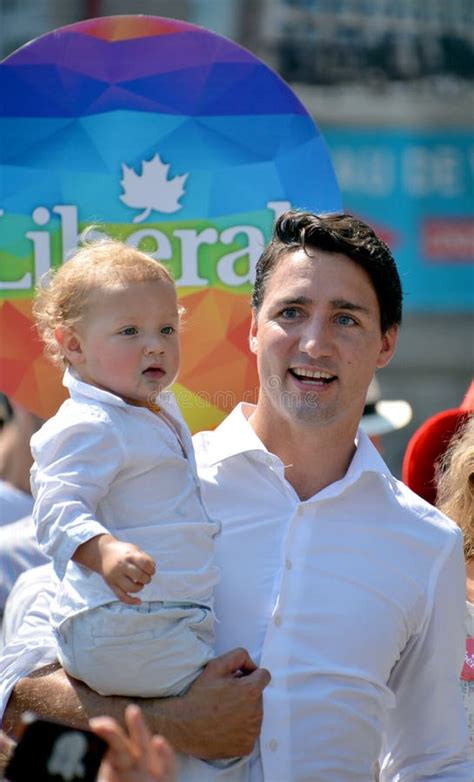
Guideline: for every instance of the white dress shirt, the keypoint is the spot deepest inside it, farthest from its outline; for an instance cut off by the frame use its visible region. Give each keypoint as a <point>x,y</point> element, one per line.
<point>14,503</point>
<point>26,588</point>
<point>19,551</point>
<point>354,600</point>
<point>102,465</point>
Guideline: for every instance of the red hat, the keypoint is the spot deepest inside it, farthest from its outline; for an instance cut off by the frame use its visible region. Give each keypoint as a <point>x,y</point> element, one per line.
<point>429,443</point>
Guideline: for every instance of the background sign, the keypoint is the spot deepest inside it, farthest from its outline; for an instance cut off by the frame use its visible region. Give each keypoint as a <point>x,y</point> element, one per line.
<point>415,187</point>
<point>173,139</point>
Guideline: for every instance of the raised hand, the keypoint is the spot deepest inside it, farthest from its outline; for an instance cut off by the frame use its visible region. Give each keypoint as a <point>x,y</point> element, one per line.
<point>136,757</point>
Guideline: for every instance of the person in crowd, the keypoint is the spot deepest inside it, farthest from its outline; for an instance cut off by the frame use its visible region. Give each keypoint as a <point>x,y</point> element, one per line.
<point>19,552</point>
<point>20,598</point>
<point>456,499</point>
<point>336,578</point>
<point>428,443</point>
<point>18,545</point>
<point>18,425</point>
<point>440,456</point>
<point>381,416</point>
<point>134,755</point>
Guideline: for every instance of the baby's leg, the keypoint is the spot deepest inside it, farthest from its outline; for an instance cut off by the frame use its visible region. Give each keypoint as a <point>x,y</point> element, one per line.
<point>154,649</point>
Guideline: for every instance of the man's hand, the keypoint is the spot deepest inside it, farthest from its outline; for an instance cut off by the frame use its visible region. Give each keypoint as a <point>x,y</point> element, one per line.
<point>123,566</point>
<point>223,707</point>
<point>218,717</point>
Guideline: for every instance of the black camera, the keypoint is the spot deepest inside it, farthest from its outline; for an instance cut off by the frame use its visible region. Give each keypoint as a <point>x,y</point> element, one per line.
<point>51,752</point>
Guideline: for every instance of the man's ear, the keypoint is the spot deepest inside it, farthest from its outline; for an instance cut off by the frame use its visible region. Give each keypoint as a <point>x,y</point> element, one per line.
<point>253,342</point>
<point>70,344</point>
<point>389,343</point>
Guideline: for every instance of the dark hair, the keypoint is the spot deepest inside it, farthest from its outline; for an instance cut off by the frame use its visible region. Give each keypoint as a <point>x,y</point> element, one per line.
<point>335,233</point>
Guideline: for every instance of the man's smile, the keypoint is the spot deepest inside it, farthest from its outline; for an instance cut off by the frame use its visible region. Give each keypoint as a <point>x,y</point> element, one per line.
<point>312,376</point>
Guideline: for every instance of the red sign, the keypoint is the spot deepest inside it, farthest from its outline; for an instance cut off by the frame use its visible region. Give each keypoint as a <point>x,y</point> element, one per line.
<point>468,670</point>
<point>448,240</point>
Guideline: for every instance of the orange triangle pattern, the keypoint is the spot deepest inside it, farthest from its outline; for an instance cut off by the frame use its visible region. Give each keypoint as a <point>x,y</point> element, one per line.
<point>217,371</point>
<point>126,27</point>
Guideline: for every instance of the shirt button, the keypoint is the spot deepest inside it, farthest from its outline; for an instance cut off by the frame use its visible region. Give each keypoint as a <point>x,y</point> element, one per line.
<point>273,744</point>
<point>300,510</point>
<point>288,564</point>
<point>277,620</point>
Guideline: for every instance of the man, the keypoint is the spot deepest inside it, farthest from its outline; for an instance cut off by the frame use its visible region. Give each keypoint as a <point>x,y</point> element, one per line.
<point>334,576</point>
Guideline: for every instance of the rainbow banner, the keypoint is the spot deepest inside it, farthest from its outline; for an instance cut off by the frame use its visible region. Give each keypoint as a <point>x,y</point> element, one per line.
<point>173,139</point>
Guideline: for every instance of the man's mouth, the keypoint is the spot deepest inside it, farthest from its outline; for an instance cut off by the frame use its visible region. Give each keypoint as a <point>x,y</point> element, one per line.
<point>312,376</point>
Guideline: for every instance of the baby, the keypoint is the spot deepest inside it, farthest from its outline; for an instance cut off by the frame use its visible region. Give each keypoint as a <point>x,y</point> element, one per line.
<point>117,498</point>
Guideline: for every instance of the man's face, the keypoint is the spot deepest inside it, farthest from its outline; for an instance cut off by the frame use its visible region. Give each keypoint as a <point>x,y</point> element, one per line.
<point>317,340</point>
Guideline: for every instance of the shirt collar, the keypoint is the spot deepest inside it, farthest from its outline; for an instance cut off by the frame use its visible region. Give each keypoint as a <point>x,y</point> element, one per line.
<point>235,436</point>
<point>366,458</point>
<point>76,386</point>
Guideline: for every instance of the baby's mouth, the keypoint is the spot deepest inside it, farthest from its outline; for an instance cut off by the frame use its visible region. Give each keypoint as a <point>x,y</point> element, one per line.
<point>153,372</point>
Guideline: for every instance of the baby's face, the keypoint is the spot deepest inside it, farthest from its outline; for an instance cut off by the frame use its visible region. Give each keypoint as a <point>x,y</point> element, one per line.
<point>128,339</point>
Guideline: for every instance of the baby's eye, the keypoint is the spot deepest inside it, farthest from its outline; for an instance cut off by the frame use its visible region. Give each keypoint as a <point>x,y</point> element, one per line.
<point>168,330</point>
<point>129,331</point>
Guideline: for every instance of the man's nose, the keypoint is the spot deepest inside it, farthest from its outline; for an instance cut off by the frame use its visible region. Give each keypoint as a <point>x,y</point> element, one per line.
<point>315,339</point>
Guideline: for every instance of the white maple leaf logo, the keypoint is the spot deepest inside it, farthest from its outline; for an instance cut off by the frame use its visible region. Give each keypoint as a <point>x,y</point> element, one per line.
<point>152,189</point>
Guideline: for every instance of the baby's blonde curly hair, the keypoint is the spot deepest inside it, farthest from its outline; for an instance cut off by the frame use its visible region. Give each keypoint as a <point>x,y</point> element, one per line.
<point>455,483</point>
<point>62,294</point>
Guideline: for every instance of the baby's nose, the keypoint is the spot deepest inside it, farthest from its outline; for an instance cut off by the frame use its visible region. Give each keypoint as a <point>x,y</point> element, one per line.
<point>153,345</point>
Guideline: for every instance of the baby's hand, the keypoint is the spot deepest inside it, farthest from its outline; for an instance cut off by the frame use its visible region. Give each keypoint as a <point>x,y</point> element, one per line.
<point>125,568</point>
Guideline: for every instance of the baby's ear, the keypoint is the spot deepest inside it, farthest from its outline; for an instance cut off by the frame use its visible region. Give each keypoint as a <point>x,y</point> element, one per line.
<point>70,344</point>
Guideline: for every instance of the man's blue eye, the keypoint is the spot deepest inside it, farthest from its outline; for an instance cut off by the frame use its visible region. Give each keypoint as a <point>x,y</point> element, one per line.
<point>289,313</point>
<point>167,330</point>
<point>345,320</point>
<point>129,331</point>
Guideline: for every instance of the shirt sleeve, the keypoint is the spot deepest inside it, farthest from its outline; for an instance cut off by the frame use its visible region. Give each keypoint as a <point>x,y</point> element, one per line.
<point>34,645</point>
<point>74,468</point>
<point>426,732</point>
<point>19,551</point>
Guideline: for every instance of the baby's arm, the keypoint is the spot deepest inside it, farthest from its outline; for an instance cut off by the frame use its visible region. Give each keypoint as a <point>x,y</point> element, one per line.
<point>123,566</point>
<point>78,455</point>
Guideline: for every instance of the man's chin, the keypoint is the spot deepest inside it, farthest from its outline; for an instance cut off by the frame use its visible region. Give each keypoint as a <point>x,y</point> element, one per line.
<point>305,409</point>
